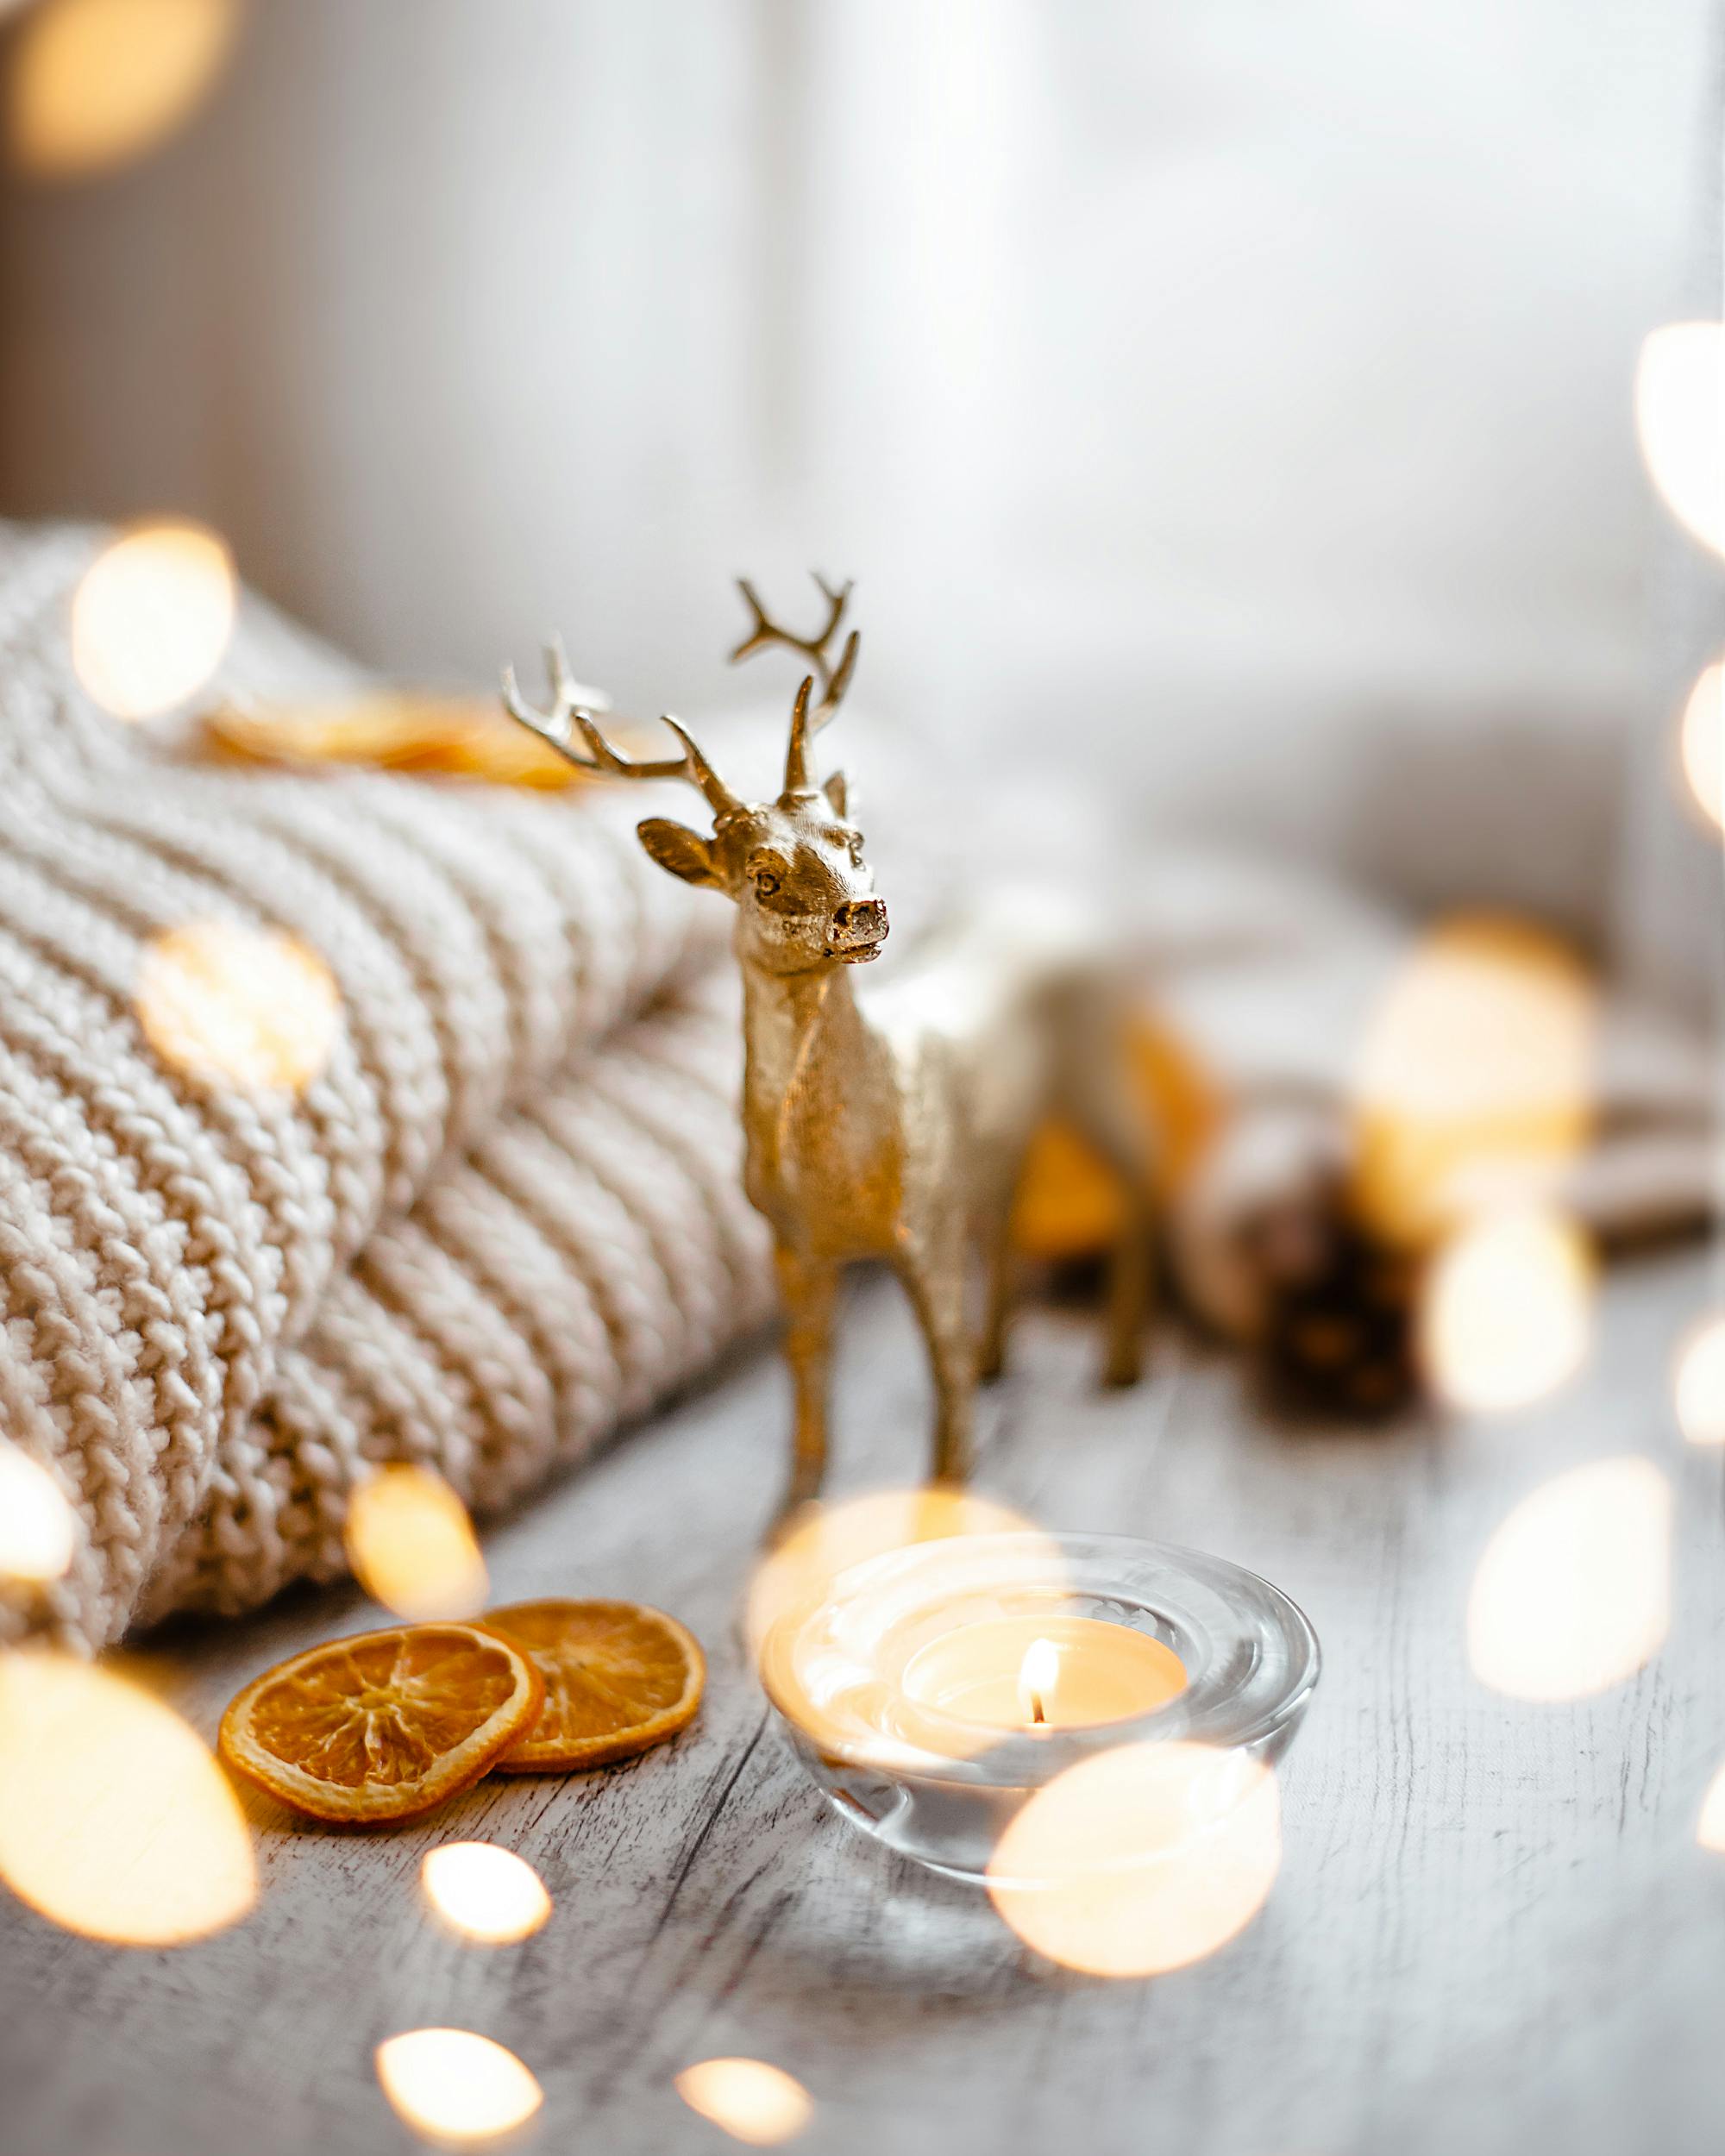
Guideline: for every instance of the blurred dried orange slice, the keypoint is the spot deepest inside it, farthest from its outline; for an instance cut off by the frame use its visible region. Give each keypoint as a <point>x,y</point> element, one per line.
<point>384,1725</point>
<point>1068,1205</point>
<point>396,730</point>
<point>619,1678</point>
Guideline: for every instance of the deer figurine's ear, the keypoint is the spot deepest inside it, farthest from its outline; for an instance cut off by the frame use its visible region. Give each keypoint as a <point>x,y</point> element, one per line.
<point>837,793</point>
<point>675,847</point>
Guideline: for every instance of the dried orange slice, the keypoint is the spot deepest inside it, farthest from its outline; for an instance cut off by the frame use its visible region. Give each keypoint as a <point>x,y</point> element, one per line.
<point>384,1725</point>
<point>619,1678</point>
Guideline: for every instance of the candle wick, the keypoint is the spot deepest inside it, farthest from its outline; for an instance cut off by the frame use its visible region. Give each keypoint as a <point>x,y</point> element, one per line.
<point>1035,1712</point>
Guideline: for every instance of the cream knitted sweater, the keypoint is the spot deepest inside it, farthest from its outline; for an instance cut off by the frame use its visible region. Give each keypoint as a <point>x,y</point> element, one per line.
<point>505,1215</point>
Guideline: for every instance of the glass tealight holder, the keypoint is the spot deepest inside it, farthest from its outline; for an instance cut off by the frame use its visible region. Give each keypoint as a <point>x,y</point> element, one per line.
<point>932,1692</point>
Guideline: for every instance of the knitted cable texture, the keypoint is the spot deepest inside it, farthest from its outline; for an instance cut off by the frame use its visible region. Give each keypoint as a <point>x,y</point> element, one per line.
<point>503,1215</point>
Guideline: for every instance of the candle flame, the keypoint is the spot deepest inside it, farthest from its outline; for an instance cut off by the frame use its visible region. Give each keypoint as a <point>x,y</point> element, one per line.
<point>1037,1676</point>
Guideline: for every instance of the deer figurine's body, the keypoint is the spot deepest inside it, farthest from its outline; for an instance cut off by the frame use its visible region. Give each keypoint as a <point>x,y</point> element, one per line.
<point>892,1126</point>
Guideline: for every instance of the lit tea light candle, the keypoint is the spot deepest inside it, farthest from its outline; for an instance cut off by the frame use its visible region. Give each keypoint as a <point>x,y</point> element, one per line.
<point>934,1691</point>
<point>1043,1672</point>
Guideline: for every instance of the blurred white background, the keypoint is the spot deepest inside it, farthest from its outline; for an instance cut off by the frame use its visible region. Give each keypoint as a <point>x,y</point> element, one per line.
<point>1231,401</point>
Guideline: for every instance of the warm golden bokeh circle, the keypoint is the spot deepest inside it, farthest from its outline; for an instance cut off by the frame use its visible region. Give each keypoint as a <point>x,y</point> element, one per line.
<point>1701,742</point>
<point>92,84</point>
<point>1681,424</point>
<point>453,2085</point>
<point>38,1533</point>
<point>231,1005</point>
<point>1571,1594</point>
<point>486,1893</point>
<point>115,1821</point>
<point>1698,1384</point>
<point>412,1546</point>
<point>1141,1860</point>
<point>1506,1310</point>
<point>1474,1084</point>
<point>828,1540</point>
<point>152,618</point>
<point>756,2103</point>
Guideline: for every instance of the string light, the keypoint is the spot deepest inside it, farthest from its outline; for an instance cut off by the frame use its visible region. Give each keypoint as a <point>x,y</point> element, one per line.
<point>115,1821</point>
<point>231,1005</point>
<point>747,2099</point>
<point>1142,1859</point>
<point>487,1894</point>
<point>454,2085</point>
<point>38,1535</point>
<point>152,616</point>
<point>412,1546</point>
<point>1678,390</point>
<point>1572,1593</point>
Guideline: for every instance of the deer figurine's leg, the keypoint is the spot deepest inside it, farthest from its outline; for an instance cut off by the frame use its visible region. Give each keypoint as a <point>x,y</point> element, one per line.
<point>999,1261</point>
<point>1110,1121</point>
<point>1130,1279</point>
<point>808,1289</point>
<point>937,1294</point>
<point>991,1348</point>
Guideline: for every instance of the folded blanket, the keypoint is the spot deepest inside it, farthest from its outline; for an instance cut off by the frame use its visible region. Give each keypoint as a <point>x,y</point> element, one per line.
<point>501,1214</point>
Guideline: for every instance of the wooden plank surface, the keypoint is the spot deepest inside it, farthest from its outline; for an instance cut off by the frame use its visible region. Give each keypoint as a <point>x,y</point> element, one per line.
<point>1493,1929</point>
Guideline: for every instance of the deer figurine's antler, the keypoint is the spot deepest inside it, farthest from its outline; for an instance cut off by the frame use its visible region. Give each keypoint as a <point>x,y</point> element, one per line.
<point>889,1131</point>
<point>568,710</point>
<point>833,680</point>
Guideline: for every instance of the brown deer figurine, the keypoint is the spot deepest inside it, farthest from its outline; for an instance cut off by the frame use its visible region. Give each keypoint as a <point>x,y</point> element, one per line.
<point>891,1125</point>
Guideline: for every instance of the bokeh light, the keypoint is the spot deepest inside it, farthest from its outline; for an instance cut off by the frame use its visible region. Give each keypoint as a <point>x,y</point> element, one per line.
<point>1680,424</point>
<point>828,1540</point>
<point>1572,1594</point>
<point>152,616</point>
<point>1474,1085</point>
<point>115,1821</point>
<point>94,84</point>
<point>455,2086</point>
<point>1699,1384</point>
<point>1141,1860</point>
<point>750,2100</point>
<point>231,1005</point>
<point>38,1533</point>
<point>1701,742</point>
<point>412,1546</point>
<point>1709,1828</point>
<point>487,1894</point>
<point>1506,1310</point>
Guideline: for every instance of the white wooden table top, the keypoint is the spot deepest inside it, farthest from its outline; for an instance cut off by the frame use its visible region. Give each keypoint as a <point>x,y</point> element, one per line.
<point>1493,1927</point>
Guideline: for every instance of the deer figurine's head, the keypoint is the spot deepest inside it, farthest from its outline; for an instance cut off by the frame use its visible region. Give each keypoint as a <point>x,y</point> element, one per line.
<point>795,866</point>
